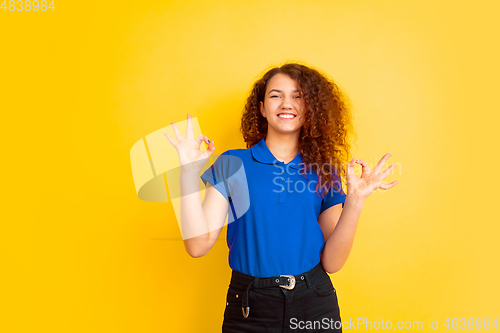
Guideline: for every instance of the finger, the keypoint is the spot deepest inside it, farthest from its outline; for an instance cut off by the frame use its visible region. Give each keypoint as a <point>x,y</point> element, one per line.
<point>200,139</point>
<point>387,171</point>
<point>189,128</point>
<point>350,166</point>
<point>381,163</point>
<point>210,149</point>
<point>385,186</point>
<point>172,141</point>
<point>364,166</point>
<point>178,134</point>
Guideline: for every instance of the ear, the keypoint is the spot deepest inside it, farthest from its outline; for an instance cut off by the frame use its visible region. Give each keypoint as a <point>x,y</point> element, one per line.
<point>262,110</point>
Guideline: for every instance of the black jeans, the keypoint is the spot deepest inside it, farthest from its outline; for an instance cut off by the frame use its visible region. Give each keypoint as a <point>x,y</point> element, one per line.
<point>311,306</point>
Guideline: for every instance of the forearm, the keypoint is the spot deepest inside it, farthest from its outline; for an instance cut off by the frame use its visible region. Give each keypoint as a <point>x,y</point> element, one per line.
<point>194,227</point>
<point>338,245</point>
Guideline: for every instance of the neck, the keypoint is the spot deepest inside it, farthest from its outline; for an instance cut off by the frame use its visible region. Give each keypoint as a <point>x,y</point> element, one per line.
<point>284,147</point>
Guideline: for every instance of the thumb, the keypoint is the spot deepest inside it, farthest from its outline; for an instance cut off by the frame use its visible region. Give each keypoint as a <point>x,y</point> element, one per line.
<point>211,146</point>
<point>350,166</point>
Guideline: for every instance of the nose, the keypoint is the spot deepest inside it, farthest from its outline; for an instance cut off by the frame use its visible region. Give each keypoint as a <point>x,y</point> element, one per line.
<point>286,103</point>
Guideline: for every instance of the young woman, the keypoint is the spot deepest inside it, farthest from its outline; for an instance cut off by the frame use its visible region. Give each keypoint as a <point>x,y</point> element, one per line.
<point>289,221</point>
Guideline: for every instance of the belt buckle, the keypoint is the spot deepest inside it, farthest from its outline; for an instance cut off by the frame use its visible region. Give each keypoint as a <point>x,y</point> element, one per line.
<point>291,282</point>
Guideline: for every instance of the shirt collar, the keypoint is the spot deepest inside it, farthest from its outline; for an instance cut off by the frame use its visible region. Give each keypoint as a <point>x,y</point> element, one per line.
<point>261,153</point>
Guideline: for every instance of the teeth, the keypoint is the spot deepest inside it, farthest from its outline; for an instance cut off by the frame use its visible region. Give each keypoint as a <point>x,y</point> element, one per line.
<point>286,116</point>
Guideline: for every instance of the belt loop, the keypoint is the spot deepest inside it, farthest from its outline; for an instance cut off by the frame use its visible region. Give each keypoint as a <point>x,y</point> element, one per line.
<point>256,282</point>
<point>308,282</point>
<point>245,306</point>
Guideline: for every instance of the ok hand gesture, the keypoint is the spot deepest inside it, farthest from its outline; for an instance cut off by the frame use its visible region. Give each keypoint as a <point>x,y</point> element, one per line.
<point>191,158</point>
<point>370,180</point>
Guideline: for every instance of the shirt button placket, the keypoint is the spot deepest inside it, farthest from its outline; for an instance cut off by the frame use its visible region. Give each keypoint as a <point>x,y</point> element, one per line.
<point>282,194</point>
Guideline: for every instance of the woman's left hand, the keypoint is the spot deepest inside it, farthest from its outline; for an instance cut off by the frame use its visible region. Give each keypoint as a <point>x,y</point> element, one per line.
<point>361,187</point>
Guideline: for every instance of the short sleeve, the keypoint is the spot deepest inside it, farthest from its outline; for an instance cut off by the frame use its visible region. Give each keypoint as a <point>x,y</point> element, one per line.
<point>218,174</point>
<point>334,196</point>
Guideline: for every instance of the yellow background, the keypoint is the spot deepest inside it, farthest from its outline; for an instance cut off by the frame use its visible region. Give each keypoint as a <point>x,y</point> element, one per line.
<point>80,85</point>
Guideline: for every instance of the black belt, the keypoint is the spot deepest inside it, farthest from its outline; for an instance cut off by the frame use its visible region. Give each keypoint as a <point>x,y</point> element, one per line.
<point>284,281</point>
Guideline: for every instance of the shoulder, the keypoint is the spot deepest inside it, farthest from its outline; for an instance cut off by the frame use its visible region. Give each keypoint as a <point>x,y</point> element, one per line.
<point>231,159</point>
<point>236,155</point>
<point>240,152</point>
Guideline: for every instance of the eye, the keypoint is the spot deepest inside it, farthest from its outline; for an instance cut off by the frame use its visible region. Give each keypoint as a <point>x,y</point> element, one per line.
<point>274,96</point>
<point>298,96</point>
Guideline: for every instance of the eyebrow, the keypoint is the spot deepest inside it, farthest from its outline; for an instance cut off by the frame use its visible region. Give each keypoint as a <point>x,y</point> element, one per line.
<point>279,91</point>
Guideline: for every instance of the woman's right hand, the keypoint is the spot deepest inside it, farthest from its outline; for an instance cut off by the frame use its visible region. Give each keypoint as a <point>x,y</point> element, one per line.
<point>192,159</point>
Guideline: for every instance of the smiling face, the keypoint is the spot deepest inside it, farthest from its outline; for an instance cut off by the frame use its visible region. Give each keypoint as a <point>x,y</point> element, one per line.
<point>283,105</point>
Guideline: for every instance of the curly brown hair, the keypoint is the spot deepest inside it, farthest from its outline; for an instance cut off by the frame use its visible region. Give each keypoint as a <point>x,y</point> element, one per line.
<point>325,136</point>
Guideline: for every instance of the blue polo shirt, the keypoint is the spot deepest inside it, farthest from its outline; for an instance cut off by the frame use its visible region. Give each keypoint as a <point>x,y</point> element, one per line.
<point>273,214</point>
